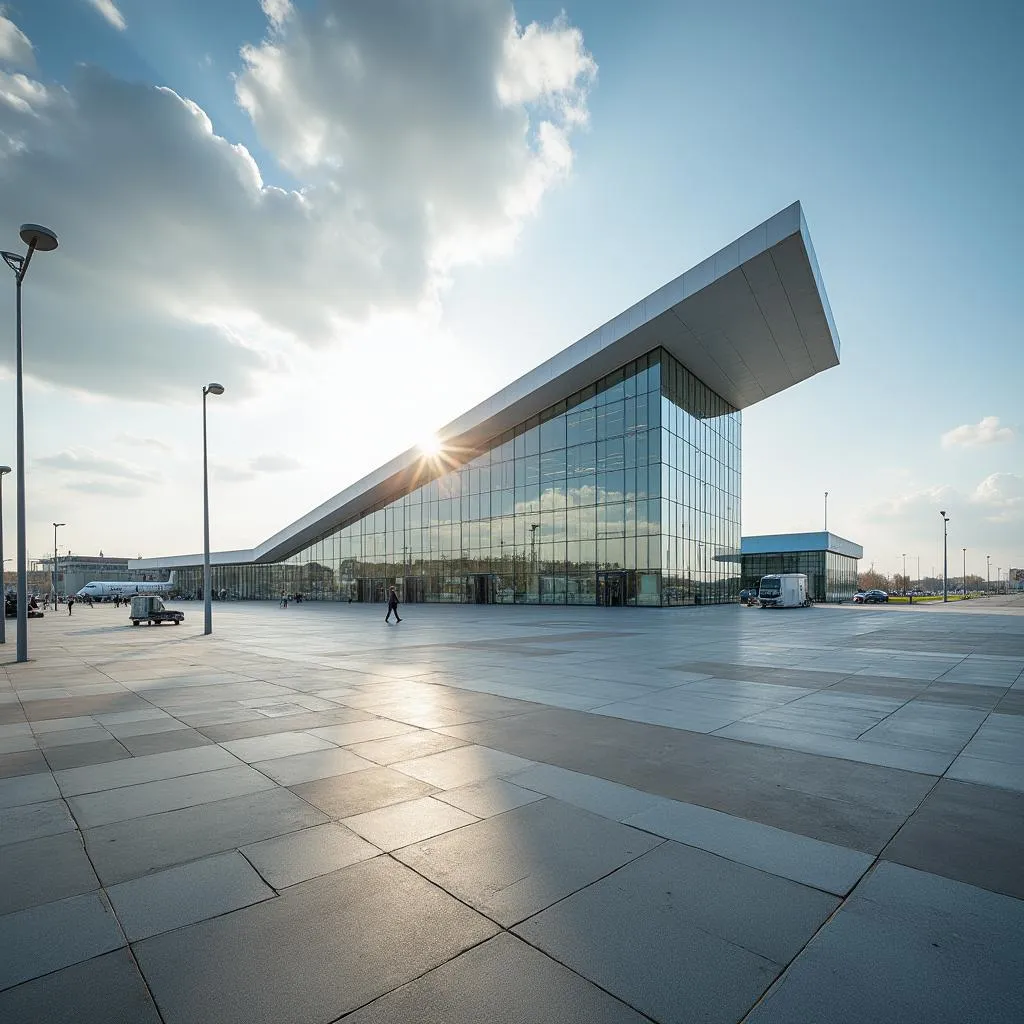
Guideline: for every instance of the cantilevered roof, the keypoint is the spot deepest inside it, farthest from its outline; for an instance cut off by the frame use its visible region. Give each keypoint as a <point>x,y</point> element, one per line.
<point>787,543</point>
<point>750,321</point>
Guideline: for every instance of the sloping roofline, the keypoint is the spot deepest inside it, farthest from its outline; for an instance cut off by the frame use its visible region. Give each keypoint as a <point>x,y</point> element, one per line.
<point>749,321</point>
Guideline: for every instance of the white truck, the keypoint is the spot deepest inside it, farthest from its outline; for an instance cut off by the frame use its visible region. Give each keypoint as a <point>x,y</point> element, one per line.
<point>783,590</point>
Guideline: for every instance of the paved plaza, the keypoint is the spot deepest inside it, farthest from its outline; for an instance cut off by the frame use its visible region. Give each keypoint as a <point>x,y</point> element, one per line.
<point>515,814</point>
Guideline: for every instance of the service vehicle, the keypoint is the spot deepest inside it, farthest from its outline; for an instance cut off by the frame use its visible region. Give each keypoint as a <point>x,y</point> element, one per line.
<point>783,590</point>
<point>150,609</point>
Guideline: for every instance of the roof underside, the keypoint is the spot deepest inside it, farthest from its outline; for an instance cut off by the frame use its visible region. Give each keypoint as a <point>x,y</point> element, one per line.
<point>750,321</point>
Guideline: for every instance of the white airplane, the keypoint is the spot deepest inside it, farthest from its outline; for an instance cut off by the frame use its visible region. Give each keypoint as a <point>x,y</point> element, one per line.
<point>125,588</point>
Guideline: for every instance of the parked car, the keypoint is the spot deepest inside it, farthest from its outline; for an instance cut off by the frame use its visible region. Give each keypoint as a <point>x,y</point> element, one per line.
<point>858,598</point>
<point>876,597</point>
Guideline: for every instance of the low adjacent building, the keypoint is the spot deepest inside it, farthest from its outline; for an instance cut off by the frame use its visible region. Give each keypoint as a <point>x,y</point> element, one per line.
<point>829,562</point>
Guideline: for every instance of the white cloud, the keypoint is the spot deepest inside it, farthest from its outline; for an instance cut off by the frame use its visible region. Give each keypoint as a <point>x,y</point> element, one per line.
<point>1002,497</point>
<point>110,12</point>
<point>254,467</point>
<point>231,473</point>
<point>15,48</point>
<point>422,134</point>
<point>970,435</point>
<point>107,488</point>
<point>84,460</point>
<point>277,11</point>
<point>271,463</point>
<point>144,442</point>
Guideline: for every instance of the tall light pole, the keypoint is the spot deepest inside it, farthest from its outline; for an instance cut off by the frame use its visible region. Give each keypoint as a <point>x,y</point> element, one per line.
<point>945,560</point>
<point>210,389</point>
<point>40,239</point>
<point>988,575</point>
<point>55,525</point>
<point>4,470</point>
<point>826,511</point>
<point>904,574</point>
<point>965,572</point>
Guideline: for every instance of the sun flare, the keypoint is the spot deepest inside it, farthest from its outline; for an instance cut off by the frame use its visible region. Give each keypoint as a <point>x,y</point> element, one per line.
<point>431,445</point>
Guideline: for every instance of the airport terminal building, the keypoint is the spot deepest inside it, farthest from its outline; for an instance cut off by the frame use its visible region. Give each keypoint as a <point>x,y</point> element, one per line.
<point>608,475</point>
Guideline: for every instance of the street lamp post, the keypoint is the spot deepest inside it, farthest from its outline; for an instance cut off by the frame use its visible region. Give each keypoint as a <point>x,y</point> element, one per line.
<point>210,389</point>
<point>904,574</point>
<point>945,558</point>
<point>826,511</point>
<point>55,525</point>
<point>4,470</point>
<point>988,575</point>
<point>40,239</point>
<point>965,573</point>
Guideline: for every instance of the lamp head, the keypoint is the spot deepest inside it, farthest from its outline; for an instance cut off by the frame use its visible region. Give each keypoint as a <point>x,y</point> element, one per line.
<point>40,238</point>
<point>55,525</point>
<point>943,514</point>
<point>214,389</point>
<point>4,469</point>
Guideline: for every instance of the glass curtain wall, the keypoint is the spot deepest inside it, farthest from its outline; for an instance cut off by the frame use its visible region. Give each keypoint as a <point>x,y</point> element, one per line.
<point>831,577</point>
<point>627,493</point>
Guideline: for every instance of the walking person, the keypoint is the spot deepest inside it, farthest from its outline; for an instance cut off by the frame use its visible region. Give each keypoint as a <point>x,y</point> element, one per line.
<point>71,601</point>
<point>392,606</point>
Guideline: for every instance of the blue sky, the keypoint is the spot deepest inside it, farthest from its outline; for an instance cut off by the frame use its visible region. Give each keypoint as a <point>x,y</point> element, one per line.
<point>899,128</point>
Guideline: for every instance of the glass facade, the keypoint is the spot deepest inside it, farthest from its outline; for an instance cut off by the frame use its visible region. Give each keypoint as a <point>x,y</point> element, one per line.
<point>626,493</point>
<point>831,577</point>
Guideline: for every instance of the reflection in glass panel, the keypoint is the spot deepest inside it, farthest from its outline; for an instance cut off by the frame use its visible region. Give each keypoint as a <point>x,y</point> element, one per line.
<point>627,493</point>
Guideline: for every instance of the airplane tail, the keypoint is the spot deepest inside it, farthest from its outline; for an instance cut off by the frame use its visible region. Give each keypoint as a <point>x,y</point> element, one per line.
<point>170,579</point>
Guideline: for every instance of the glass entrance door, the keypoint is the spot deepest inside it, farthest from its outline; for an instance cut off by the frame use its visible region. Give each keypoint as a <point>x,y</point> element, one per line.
<point>611,589</point>
<point>616,589</point>
<point>480,588</point>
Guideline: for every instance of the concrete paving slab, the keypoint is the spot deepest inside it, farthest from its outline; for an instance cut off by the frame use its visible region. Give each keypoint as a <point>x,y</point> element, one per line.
<point>859,806</point>
<point>489,797</point>
<point>282,744</point>
<point>129,849</point>
<point>28,789</point>
<point>680,934</point>
<point>20,741</point>
<point>297,857</point>
<point>608,799</point>
<point>357,732</point>
<point>185,894</point>
<point>501,981</point>
<point>971,833</point>
<point>907,948</point>
<point>94,809</point>
<point>885,755</point>
<point>988,773</point>
<point>160,743</point>
<point>462,766</point>
<point>318,951</point>
<point>44,870</point>
<point>22,762</point>
<point>107,989</point>
<point>317,764</point>
<point>357,792</point>
<point>76,755</point>
<point>389,828</point>
<point>515,864</point>
<point>406,746</point>
<point>33,821</point>
<point>833,869</point>
<point>48,937</point>
<point>136,770</point>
